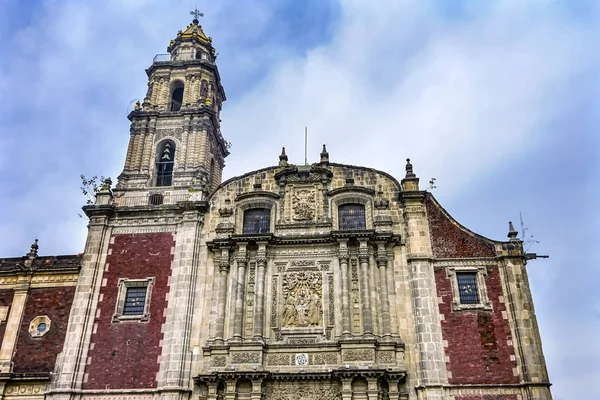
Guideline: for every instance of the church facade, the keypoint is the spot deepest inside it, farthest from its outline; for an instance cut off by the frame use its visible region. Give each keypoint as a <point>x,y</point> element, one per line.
<point>323,281</point>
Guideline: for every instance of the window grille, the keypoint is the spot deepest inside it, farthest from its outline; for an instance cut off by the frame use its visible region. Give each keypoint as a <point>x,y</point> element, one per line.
<point>164,165</point>
<point>155,199</point>
<point>135,300</point>
<point>257,220</point>
<point>467,287</point>
<point>352,217</point>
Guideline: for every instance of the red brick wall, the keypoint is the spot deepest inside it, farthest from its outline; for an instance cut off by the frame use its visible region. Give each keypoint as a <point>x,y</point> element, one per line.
<point>489,397</point>
<point>6,298</point>
<point>124,355</point>
<point>478,347</point>
<point>448,240</point>
<point>39,354</point>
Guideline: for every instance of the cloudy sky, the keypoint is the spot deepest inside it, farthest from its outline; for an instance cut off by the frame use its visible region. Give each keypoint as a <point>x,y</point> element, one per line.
<point>498,100</point>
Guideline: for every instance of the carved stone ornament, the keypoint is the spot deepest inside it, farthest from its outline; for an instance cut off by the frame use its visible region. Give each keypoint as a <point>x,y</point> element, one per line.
<point>39,326</point>
<point>301,359</point>
<point>303,205</point>
<point>358,355</point>
<point>245,358</point>
<point>303,390</point>
<point>219,361</point>
<point>168,132</point>
<point>302,299</point>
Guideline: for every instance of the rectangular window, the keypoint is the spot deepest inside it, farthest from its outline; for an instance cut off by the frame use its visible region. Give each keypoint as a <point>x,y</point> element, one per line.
<point>352,217</point>
<point>257,221</point>
<point>467,287</point>
<point>135,300</point>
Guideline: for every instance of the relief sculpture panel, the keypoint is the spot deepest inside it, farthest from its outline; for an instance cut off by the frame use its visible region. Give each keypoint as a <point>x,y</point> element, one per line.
<point>305,390</point>
<point>303,205</point>
<point>302,299</point>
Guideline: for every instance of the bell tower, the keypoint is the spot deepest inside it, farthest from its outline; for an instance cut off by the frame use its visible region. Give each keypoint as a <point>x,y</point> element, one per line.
<point>175,143</point>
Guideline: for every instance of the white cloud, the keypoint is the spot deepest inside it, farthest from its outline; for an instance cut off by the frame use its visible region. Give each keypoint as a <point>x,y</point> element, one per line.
<point>463,94</point>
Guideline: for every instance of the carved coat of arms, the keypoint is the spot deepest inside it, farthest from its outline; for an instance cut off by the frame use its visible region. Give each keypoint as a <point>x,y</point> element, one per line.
<point>303,205</point>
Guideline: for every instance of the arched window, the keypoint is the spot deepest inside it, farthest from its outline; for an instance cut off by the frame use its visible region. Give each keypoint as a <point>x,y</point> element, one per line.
<point>352,217</point>
<point>177,96</point>
<point>199,55</point>
<point>257,220</point>
<point>164,164</point>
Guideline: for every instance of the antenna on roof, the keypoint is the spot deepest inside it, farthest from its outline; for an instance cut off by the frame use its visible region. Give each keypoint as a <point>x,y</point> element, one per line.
<point>305,144</point>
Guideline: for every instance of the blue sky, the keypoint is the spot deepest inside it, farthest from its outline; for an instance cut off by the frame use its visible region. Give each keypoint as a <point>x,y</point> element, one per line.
<point>496,99</point>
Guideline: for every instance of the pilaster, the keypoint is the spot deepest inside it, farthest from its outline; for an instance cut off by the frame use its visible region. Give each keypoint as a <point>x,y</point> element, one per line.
<point>431,364</point>
<point>71,362</point>
<point>519,303</point>
<point>175,359</point>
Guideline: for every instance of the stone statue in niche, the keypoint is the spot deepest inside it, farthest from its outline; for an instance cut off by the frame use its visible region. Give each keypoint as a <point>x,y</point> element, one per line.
<point>302,299</point>
<point>203,88</point>
<point>303,205</point>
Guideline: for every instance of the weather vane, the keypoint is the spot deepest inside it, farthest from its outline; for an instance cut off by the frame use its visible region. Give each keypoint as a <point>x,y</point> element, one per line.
<point>196,14</point>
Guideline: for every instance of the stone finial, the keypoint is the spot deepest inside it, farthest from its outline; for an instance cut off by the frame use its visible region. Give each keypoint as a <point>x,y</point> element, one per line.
<point>138,106</point>
<point>409,169</point>
<point>410,181</point>
<point>34,250</point>
<point>512,233</point>
<point>324,156</point>
<point>283,158</point>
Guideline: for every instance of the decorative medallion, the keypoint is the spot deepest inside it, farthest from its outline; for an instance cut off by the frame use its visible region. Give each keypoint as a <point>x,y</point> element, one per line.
<point>39,326</point>
<point>301,359</point>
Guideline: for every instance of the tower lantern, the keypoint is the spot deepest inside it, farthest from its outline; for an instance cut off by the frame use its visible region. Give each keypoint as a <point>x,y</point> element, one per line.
<point>175,137</point>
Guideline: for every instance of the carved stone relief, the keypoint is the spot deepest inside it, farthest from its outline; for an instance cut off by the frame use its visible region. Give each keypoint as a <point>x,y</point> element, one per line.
<point>331,310</point>
<point>274,303</point>
<point>386,357</point>
<point>218,361</point>
<point>303,205</point>
<point>278,359</point>
<point>304,390</point>
<point>358,355</point>
<point>302,299</point>
<point>168,132</point>
<point>324,358</point>
<point>245,358</point>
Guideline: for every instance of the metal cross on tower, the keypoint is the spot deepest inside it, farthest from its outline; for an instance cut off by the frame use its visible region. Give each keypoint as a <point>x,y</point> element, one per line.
<point>196,14</point>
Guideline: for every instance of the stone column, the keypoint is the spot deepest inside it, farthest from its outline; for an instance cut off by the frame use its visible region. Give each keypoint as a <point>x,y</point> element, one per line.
<point>238,317</point>
<point>222,293</point>
<point>431,359</point>
<point>212,391</point>
<point>382,261</point>
<point>256,389</point>
<point>71,362</point>
<point>259,309</point>
<point>372,389</point>
<point>230,389</point>
<point>525,331</point>
<point>343,258</point>
<point>363,255</point>
<point>346,388</point>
